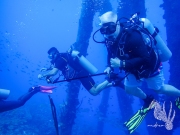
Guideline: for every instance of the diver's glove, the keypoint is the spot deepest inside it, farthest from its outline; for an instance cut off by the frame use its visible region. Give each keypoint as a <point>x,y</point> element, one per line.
<point>74,53</point>
<point>133,123</point>
<point>118,83</point>
<point>108,70</point>
<point>40,76</point>
<point>111,76</point>
<point>116,79</point>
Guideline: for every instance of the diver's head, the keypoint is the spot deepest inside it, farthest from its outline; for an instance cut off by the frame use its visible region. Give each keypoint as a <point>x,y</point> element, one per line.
<point>109,26</point>
<point>108,17</point>
<point>52,52</point>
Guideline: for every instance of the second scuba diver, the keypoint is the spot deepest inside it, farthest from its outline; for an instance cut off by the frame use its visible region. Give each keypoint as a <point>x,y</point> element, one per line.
<point>131,49</point>
<point>128,51</point>
<point>79,66</point>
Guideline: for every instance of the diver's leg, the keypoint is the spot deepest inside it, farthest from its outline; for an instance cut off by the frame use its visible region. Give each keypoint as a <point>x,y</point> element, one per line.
<point>111,80</point>
<point>131,86</point>
<point>157,83</point>
<point>168,90</point>
<point>24,98</point>
<point>171,91</point>
<point>89,84</point>
<point>96,89</point>
<point>9,105</point>
<point>135,91</point>
<point>92,88</point>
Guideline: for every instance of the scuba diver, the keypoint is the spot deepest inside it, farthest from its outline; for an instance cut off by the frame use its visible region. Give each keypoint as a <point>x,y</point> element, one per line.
<point>135,46</point>
<point>73,64</point>
<point>6,105</point>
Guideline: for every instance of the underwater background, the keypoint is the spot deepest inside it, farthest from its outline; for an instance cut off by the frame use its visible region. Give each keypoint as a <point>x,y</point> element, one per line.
<point>28,28</point>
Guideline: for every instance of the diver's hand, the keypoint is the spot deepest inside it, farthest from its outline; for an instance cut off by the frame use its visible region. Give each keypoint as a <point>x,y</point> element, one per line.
<point>107,70</point>
<point>115,62</point>
<point>43,69</point>
<point>40,76</point>
<point>74,53</point>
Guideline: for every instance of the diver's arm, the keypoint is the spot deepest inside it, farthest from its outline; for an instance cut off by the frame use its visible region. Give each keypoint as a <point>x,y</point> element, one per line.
<point>109,67</point>
<point>46,69</point>
<point>53,72</point>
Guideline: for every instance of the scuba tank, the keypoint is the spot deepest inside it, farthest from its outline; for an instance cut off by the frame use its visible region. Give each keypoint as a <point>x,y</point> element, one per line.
<point>86,64</point>
<point>82,61</point>
<point>4,93</point>
<point>164,52</point>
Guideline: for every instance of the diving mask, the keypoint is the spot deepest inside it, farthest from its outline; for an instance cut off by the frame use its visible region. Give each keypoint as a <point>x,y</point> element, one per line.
<point>108,28</point>
<point>50,56</point>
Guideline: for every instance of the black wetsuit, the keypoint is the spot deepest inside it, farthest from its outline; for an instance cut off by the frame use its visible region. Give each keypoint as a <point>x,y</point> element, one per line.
<point>139,58</point>
<point>63,60</point>
<point>6,105</point>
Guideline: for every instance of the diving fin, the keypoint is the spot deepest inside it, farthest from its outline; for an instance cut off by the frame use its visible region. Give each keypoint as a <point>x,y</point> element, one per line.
<point>133,123</point>
<point>177,102</point>
<point>136,120</point>
<point>46,89</point>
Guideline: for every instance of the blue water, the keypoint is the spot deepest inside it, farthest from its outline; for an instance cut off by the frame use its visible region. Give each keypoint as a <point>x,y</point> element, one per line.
<point>28,28</point>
